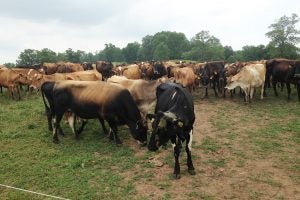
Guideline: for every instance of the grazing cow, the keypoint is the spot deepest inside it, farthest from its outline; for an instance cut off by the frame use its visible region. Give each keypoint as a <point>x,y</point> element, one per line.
<point>10,80</point>
<point>142,91</point>
<point>105,68</point>
<point>186,77</point>
<point>281,71</point>
<point>173,120</point>
<point>111,102</point>
<point>211,73</point>
<point>132,72</point>
<point>250,77</point>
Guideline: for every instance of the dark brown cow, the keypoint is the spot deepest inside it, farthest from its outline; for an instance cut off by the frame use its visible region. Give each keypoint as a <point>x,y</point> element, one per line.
<point>213,72</point>
<point>282,71</point>
<point>105,68</point>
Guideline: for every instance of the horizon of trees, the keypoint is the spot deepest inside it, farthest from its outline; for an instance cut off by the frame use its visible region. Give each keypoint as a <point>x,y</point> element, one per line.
<point>167,45</point>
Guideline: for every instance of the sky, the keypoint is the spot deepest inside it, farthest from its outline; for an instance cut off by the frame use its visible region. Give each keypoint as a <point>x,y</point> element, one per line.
<point>90,24</point>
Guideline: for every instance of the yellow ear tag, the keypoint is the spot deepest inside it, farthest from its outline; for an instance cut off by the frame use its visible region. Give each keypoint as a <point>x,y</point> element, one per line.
<point>180,124</point>
<point>162,123</point>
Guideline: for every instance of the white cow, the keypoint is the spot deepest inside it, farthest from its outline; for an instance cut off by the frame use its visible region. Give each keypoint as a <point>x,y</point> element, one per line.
<point>250,77</point>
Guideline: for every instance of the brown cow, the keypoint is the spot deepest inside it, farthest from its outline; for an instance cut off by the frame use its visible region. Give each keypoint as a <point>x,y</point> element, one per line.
<point>49,68</point>
<point>9,79</point>
<point>132,72</point>
<point>88,75</point>
<point>186,77</point>
<point>68,67</point>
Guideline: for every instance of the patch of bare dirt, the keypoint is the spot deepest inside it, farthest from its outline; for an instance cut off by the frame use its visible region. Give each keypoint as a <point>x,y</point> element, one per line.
<point>245,176</point>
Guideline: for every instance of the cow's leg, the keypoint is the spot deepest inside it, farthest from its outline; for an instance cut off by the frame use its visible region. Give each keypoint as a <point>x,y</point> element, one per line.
<point>83,123</point>
<point>103,125</point>
<point>262,92</point>
<point>214,87</point>
<point>176,143</point>
<point>288,87</point>
<point>113,126</point>
<point>188,149</point>
<point>49,118</point>
<point>274,87</point>
<point>281,86</point>
<point>58,118</point>
<point>298,90</point>
<point>18,92</point>
<point>251,93</point>
<point>1,89</point>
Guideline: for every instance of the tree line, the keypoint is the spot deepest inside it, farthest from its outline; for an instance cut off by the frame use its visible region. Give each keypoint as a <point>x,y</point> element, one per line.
<point>167,45</point>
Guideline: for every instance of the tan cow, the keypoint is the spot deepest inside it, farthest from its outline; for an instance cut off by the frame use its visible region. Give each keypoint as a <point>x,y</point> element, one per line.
<point>132,72</point>
<point>9,79</point>
<point>186,77</point>
<point>250,77</point>
<point>142,91</point>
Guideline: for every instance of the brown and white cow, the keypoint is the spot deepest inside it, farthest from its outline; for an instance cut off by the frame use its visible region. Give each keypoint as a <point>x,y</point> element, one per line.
<point>250,77</point>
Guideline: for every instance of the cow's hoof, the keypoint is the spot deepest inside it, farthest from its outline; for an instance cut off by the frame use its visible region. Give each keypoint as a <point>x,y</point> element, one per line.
<point>176,176</point>
<point>192,172</point>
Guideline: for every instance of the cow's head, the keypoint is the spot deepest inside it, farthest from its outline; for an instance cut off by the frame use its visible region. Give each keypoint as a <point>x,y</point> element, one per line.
<point>141,132</point>
<point>163,124</point>
<point>232,82</point>
<point>36,81</point>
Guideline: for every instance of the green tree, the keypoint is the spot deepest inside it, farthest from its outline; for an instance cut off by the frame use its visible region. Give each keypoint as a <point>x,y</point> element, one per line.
<point>205,47</point>
<point>254,52</point>
<point>228,52</point>
<point>9,65</point>
<point>131,52</point>
<point>161,52</point>
<point>111,53</point>
<point>284,36</point>
<point>28,57</point>
<point>47,55</point>
<point>73,56</point>
<point>147,49</point>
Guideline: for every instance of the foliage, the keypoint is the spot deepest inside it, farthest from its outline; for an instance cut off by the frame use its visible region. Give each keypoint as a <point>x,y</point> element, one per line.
<point>131,52</point>
<point>28,57</point>
<point>284,36</point>
<point>205,47</point>
<point>9,65</point>
<point>73,56</point>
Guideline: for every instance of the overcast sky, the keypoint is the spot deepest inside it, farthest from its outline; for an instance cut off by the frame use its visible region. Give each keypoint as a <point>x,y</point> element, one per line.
<point>89,24</point>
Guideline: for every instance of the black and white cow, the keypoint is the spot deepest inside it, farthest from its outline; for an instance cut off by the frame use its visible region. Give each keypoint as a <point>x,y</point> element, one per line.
<point>173,120</point>
<point>96,100</point>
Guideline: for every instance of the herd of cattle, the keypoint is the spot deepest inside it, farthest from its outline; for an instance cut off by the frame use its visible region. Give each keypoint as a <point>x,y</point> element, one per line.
<point>124,95</point>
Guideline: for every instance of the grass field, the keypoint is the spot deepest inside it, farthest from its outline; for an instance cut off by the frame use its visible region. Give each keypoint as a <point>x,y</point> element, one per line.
<point>239,152</point>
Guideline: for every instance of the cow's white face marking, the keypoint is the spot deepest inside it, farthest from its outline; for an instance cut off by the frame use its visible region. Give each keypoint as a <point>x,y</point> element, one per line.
<point>173,95</point>
<point>191,140</point>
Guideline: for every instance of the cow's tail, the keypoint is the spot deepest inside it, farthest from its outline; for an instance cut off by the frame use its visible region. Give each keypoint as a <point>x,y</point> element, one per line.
<point>47,107</point>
